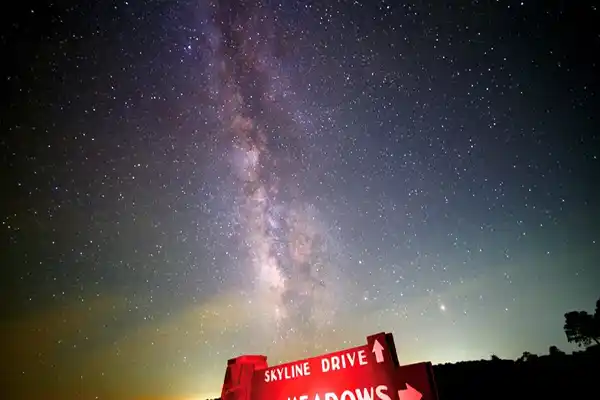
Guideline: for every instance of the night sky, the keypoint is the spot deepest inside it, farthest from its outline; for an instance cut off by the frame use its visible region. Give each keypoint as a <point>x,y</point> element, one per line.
<point>188,181</point>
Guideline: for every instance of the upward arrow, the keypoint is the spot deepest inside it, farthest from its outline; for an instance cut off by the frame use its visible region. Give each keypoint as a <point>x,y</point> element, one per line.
<point>378,350</point>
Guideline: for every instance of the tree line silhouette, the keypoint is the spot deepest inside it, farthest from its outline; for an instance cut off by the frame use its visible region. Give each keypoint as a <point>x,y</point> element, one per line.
<point>531,376</point>
<point>583,328</point>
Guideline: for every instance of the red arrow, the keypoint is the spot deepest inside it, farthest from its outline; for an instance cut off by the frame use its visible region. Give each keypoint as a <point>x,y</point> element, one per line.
<point>410,393</point>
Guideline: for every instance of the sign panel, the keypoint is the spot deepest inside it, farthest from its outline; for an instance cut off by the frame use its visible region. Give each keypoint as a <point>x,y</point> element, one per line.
<point>419,382</point>
<point>369,372</point>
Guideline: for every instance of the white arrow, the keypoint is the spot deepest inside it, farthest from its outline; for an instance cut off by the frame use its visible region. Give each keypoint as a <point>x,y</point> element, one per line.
<point>378,350</point>
<point>410,393</point>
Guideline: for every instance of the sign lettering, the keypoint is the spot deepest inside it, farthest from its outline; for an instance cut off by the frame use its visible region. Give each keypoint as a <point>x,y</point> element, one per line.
<point>287,372</point>
<point>345,360</point>
<point>372,393</point>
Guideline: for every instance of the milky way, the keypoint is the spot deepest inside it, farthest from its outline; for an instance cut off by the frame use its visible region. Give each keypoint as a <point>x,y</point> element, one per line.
<point>285,243</point>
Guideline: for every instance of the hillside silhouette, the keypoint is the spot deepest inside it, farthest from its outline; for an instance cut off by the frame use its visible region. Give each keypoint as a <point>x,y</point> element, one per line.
<point>556,375</point>
<point>552,376</point>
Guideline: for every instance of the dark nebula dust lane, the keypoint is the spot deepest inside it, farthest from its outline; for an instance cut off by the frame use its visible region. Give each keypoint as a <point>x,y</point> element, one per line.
<point>186,181</point>
<point>284,243</point>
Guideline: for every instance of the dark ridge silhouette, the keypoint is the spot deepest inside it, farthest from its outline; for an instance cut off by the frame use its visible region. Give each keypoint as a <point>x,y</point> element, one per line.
<point>553,376</point>
<point>556,375</point>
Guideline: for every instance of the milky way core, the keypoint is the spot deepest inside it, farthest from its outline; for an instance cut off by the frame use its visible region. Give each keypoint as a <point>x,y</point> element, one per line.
<point>285,239</point>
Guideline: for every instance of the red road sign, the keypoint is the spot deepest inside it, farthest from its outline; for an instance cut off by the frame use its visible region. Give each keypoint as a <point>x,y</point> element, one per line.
<point>419,382</point>
<point>369,372</point>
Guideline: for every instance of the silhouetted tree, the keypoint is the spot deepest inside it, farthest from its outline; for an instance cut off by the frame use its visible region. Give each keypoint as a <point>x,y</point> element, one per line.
<point>583,328</point>
<point>555,351</point>
<point>494,358</point>
<point>527,356</point>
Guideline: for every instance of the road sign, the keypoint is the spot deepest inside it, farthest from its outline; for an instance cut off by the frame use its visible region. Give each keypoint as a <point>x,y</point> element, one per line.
<point>368,372</point>
<point>419,382</point>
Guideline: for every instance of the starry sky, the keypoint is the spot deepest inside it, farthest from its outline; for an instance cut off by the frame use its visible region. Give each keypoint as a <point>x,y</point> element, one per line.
<point>188,181</point>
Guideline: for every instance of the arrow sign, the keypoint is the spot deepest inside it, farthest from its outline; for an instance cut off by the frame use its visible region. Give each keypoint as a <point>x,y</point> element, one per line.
<point>419,381</point>
<point>378,350</point>
<point>410,393</point>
